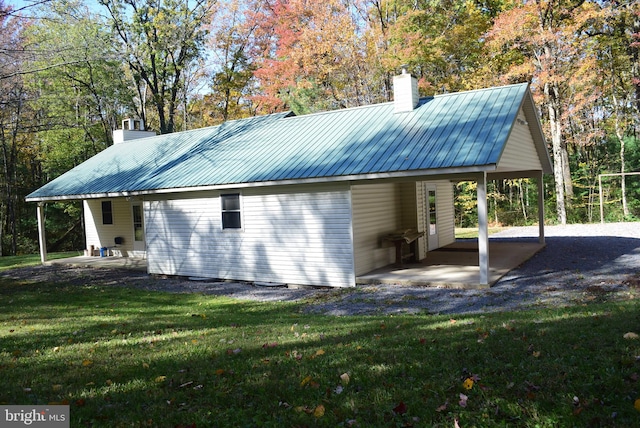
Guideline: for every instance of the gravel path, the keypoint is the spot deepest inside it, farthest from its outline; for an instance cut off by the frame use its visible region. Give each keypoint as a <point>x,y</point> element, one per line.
<point>580,264</point>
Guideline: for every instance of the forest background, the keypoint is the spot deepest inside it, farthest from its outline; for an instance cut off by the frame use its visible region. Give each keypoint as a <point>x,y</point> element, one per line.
<point>72,70</point>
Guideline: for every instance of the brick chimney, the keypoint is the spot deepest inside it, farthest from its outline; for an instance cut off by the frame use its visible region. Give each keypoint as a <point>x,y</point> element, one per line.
<point>132,129</point>
<point>405,92</point>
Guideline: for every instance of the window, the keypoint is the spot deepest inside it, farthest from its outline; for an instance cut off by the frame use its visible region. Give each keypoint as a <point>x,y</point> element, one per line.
<point>107,212</point>
<point>231,211</point>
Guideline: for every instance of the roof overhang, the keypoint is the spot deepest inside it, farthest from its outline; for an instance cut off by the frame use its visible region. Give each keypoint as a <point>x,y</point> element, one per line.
<point>453,174</point>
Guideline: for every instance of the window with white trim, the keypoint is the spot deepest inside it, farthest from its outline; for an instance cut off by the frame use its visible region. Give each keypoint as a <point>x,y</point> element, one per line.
<point>231,218</point>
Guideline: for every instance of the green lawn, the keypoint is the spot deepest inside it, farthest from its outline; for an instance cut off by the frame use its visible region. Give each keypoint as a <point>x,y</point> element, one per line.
<point>9,262</point>
<point>124,357</point>
<point>472,232</point>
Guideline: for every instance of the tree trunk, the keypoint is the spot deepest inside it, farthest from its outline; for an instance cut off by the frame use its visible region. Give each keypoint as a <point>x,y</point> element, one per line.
<point>558,148</point>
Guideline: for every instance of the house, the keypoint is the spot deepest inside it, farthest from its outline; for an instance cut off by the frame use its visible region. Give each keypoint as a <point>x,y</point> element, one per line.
<point>306,199</point>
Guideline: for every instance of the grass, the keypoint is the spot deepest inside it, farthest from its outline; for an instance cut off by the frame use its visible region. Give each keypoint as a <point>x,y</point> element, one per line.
<point>472,232</point>
<point>10,262</point>
<point>124,357</point>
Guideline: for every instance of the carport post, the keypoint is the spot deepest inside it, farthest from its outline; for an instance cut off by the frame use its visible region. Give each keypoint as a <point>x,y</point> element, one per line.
<point>483,230</point>
<point>540,207</point>
<point>41,235</point>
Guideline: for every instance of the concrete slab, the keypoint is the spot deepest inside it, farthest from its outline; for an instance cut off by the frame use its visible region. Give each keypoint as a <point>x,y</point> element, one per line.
<point>111,262</point>
<point>456,265</point>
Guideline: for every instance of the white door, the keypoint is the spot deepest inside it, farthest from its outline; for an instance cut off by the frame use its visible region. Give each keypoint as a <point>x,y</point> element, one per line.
<point>138,227</point>
<point>431,226</point>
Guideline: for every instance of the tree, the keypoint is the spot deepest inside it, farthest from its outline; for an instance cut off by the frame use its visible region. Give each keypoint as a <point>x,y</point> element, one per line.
<point>14,122</point>
<point>232,46</point>
<point>159,40</point>
<point>543,41</point>
<point>441,41</point>
<point>85,92</point>
<point>310,50</point>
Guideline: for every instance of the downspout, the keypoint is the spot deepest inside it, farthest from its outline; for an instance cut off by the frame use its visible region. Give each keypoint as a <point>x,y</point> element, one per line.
<point>41,233</point>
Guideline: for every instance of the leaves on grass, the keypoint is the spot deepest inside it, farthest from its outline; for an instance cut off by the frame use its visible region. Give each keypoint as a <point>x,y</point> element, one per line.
<point>400,409</point>
<point>319,411</point>
<point>463,400</point>
<point>87,363</point>
<point>468,383</point>
<point>306,380</point>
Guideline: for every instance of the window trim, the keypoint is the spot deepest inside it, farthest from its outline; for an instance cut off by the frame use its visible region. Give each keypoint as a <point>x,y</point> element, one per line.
<point>238,210</point>
<point>108,212</point>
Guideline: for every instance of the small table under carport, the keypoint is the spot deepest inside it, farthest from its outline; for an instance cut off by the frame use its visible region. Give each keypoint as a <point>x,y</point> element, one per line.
<point>408,236</point>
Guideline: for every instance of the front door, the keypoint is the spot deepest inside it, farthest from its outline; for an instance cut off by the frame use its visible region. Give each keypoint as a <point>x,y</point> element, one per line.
<point>138,227</point>
<point>431,226</point>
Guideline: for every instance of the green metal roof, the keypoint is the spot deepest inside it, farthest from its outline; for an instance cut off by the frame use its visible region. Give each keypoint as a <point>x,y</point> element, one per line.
<point>456,132</point>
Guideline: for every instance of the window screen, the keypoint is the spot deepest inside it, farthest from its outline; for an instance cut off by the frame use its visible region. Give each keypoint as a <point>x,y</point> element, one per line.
<point>107,212</point>
<point>231,211</point>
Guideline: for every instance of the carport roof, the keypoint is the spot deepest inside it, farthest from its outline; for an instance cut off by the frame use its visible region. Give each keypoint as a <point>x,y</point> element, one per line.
<point>452,133</point>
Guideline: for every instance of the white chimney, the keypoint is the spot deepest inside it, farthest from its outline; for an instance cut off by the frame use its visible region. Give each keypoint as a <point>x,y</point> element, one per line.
<point>132,129</point>
<point>405,92</point>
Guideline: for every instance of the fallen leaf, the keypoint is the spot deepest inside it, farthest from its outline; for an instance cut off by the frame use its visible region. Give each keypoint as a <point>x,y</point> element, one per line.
<point>319,352</point>
<point>455,423</point>
<point>400,409</point>
<point>338,389</point>
<point>630,336</point>
<point>536,354</point>
<point>344,378</point>
<point>636,404</point>
<point>306,380</point>
<point>160,379</point>
<point>56,387</point>
<point>468,383</point>
<point>145,365</point>
<point>319,411</point>
<point>443,407</point>
<point>463,400</point>
<point>87,363</point>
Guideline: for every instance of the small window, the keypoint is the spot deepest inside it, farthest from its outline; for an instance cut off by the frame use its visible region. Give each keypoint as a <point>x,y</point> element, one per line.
<point>231,211</point>
<point>107,212</point>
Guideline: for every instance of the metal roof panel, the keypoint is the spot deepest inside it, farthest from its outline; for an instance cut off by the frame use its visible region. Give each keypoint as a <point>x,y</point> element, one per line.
<point>466,129</point>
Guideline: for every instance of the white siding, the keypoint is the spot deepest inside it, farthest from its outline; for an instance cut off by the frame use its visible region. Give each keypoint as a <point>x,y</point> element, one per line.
<point>103,235</point>
<point>520,153</point>
<point>294,235</point>
<point>376,212</point>
<point>445,213</point>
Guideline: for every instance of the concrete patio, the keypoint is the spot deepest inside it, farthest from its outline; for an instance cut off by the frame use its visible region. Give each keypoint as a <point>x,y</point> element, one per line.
<point>453,266</point>
<point>112,262</point>
<point>456,265</point>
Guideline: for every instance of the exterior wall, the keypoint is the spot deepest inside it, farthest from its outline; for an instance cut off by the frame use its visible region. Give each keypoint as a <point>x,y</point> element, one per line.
<point>376,212</point>
<point>520,152</point>
<point>103,235</point>
<point>445,213</point>
<point>290,234</point>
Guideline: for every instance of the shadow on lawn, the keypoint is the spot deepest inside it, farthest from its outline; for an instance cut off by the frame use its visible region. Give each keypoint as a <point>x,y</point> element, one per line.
<point>129,357</point>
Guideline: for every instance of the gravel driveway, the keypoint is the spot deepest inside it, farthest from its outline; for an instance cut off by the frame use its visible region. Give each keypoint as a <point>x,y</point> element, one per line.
<point>581,263</point>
